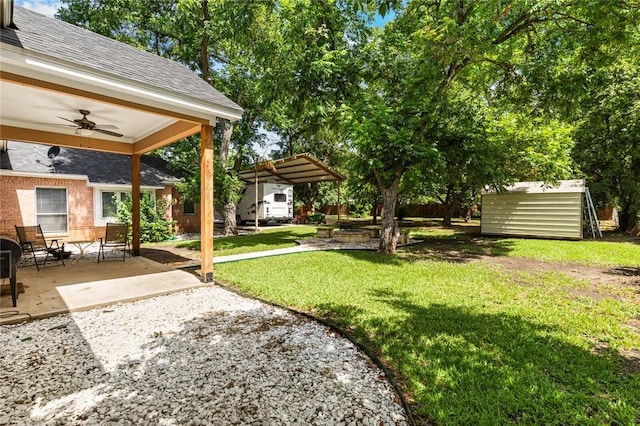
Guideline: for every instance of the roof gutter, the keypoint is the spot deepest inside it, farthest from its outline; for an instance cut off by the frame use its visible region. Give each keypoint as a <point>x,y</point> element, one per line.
<point>5,172</point>
<point>34,65</point>
<point>6,14</point>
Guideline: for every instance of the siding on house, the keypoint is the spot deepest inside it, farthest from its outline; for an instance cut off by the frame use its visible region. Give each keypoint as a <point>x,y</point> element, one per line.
<point>534,209</point>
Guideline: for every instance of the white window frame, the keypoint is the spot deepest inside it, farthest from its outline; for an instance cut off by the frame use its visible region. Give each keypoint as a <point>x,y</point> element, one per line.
<point>66,213</point>
<point>100,220</point>
<point>100,201</point>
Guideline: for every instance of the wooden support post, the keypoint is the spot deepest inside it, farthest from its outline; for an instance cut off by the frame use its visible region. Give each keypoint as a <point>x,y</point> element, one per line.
<point>339,184</point>
<point>255,216</point>
<point>135,204</point>
<point>206,203</point>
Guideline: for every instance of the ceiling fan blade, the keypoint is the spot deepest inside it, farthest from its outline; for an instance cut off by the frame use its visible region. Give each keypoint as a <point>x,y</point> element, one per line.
<point>57,124</point>
<point>107,126</point>
<point>66,119</point>
<point>107,132</point>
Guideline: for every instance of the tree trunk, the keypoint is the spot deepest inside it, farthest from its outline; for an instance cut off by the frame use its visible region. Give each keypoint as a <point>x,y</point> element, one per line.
<point>390,231</point>
<point>374,211</point>
<point>229,208</point>
<point>308,195</point>
<point>229,214</point>
<point>203,54</point>
<point>628,217</point>
<point>450,207</point>
<point>632,222</point>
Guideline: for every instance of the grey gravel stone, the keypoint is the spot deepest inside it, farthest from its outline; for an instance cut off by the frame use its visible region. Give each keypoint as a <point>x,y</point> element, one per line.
<point>201,357</point>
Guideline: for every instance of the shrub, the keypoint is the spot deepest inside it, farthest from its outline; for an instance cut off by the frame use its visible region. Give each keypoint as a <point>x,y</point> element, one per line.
<point>153,225</point>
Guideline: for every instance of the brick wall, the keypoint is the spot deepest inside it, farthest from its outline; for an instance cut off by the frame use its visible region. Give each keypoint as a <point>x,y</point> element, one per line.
<point>18,205</point>
<point>166,195</point>
<point>185,223</point>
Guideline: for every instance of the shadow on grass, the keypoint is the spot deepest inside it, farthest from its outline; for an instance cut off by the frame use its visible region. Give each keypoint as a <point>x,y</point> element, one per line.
<point>163,256</point>
<point>190,245</point>
<point>626,271</point>
<point>460,248</point>
<point>618,236</point>
<point>461,366</point>
<point>373,257</point>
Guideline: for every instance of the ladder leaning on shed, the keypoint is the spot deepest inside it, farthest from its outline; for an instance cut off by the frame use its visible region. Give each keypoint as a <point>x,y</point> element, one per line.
<point>591,221</point>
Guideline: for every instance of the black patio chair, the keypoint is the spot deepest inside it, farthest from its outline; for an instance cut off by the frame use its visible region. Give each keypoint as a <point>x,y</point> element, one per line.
<point>116,237</point>
<point>32,242</point>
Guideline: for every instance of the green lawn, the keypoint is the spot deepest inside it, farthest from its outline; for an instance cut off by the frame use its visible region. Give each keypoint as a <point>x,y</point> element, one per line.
<point>589,252</point>
<point>473,342</point>
<point>269,239</point>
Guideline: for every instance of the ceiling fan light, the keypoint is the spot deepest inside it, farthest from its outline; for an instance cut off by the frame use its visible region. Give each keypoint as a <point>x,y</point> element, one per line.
<point>84,132</point>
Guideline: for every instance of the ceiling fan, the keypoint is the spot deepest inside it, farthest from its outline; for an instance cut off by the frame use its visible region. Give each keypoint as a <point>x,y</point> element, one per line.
<point>85,127</point>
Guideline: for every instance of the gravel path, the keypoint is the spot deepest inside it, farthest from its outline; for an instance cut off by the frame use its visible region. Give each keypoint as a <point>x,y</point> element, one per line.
<point>201,357</point>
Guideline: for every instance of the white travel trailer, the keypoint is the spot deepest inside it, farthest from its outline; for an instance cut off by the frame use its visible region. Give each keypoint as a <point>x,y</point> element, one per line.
<point>275,202</point>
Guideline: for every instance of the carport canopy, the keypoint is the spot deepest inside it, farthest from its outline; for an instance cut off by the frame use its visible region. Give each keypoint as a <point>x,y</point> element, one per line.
<point>50,70</point>
<point>297,169</point>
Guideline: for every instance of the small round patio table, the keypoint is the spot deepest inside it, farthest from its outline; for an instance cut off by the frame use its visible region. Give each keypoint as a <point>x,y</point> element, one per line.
<point>81,245</point>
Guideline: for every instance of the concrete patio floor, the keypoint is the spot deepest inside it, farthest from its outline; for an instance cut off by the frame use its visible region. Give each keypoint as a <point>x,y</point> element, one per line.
<point>86,284</point>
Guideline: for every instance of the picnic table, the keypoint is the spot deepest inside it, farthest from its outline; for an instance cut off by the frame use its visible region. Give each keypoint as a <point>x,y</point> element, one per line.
<point>316,218</point>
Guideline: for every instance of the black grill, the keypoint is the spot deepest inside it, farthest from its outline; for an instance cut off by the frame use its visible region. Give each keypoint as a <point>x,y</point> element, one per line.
<point>10,253</point>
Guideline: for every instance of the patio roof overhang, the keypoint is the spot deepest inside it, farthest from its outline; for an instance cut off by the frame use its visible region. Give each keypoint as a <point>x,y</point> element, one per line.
<point>297,169</point>
<point>35,92</point>
<point>41,90</point>
<point>50,69</point>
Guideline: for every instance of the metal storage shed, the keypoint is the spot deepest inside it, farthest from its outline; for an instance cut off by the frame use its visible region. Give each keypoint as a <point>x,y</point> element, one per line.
<point>535,209</point>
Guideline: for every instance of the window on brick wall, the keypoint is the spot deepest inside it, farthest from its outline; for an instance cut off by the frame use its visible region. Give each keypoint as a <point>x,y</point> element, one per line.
<point>189,207</point>
<point>108,205</point>
<point>51,210</point>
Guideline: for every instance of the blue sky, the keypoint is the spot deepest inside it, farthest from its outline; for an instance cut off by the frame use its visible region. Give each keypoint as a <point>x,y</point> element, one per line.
<point>50,7</point>
<point>46,7</point>
<point>380,21</point>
